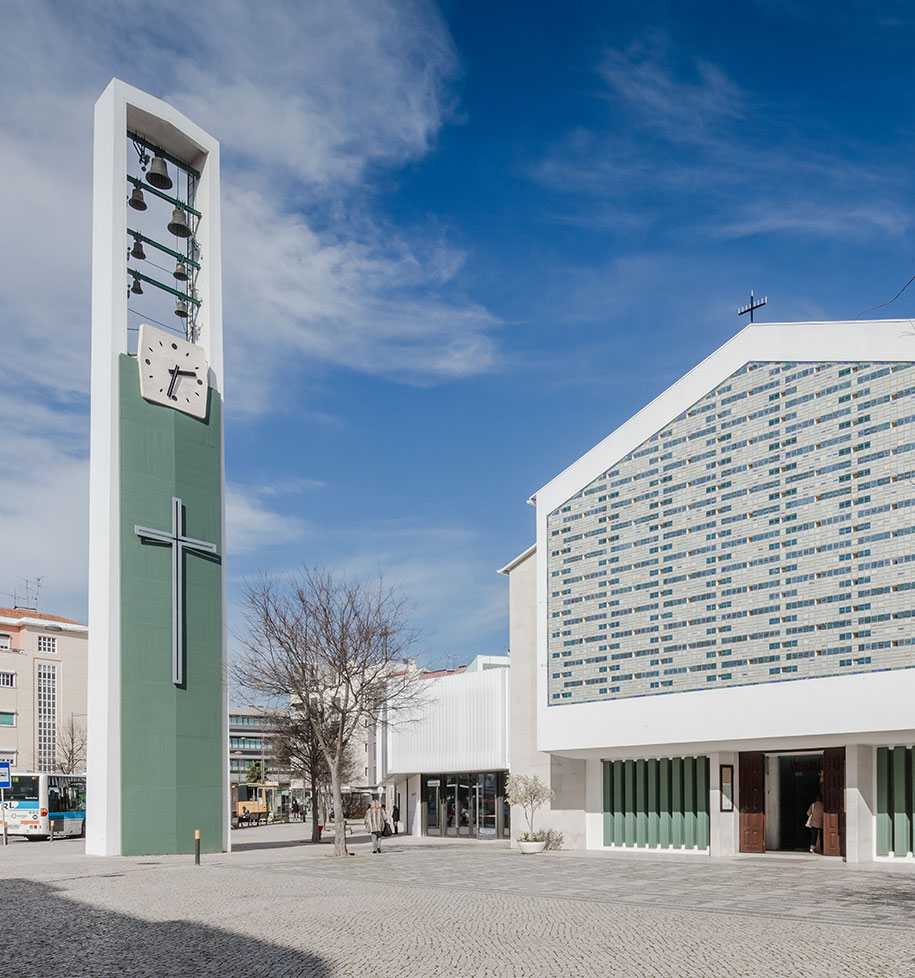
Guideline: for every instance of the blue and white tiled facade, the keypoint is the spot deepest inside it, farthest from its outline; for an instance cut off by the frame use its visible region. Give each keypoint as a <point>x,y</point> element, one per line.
<point>766,534</point>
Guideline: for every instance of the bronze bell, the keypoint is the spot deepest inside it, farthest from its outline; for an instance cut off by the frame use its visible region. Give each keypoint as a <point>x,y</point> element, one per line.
<point>180,271</point>
<point>136,200</point>
<point>136,288</point>
<point>137,250</point>
<point>158,175</point>
<point>178,224</point>
<point>181,309</point>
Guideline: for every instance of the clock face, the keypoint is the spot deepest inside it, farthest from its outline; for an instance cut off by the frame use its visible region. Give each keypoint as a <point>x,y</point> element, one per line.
<point>173,372</point>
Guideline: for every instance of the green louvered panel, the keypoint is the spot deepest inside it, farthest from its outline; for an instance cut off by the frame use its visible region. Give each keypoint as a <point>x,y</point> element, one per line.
<point>654,814</point>
<point>689,802</point>
<point>884,825</point>
<point>676,802</point>
<point>702,803</point>
<point>895,801</point>
<point>619,819</point>
<point>655,802</point>
<point>664,801</point>
<point>901,820</point>
<point>911,767</point>
<point>607,774</point>
<point>641,804</point>
<point>629,803</point>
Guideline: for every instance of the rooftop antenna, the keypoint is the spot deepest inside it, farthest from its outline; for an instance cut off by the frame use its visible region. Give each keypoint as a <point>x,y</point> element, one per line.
<point>25,594</point>
<point>31,589</point>
<point>754,304</point>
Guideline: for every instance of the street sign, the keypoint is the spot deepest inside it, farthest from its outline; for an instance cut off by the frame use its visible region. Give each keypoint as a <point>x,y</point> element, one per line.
<point>4,784</point>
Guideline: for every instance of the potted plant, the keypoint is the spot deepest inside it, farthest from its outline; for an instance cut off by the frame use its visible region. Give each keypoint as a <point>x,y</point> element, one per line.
<point>530,793</point>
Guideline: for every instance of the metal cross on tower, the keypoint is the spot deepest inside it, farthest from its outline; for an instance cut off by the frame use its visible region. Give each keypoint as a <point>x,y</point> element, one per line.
<point>179,543</point>
<point>754,304</point>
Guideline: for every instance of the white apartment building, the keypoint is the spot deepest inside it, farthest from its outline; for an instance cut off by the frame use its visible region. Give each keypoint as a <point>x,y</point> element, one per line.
<point>42,688</point>
<point>713,626</point>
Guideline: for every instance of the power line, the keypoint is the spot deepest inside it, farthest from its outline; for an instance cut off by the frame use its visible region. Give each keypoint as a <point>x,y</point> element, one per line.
<point>888,301</point>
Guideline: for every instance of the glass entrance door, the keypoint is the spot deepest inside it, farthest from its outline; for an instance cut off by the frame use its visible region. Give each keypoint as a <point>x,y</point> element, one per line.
<point>450,804</point>
<point>486,798</point>
<point>470,806</point>
<point>433,806</point>
<point>466,805</point>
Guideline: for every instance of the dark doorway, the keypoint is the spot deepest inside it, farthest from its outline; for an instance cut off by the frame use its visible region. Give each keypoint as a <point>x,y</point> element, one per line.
<point>798,786</point>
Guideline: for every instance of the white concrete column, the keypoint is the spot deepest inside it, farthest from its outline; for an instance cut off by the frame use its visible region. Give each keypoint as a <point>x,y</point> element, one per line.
<point>724,835</point>
<point>413,805</point>
<point>860,803</point>
<point>594,805</point>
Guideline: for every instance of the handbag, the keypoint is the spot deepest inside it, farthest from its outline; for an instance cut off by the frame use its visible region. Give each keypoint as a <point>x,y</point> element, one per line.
<point>387,829</point>
<point>807,824</point>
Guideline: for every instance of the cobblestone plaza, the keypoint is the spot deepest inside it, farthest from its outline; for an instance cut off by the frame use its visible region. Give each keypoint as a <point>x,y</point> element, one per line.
<point>280,908</point>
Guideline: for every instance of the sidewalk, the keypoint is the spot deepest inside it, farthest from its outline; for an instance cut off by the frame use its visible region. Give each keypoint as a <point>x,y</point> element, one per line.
<point>279,906</point>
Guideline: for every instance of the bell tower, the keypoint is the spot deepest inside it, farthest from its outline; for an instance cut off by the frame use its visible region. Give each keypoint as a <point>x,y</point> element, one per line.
<point>157,723</point>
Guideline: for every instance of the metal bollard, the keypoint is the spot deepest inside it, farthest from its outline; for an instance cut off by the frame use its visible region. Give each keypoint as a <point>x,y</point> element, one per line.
<point>196,847</point>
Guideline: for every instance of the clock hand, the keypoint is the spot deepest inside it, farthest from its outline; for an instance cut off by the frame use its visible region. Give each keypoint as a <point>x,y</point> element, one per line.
<point>174,372</point>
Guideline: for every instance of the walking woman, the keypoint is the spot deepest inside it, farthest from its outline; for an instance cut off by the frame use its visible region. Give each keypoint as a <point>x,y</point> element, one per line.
<point>374,823</point>
<point>815,824</point>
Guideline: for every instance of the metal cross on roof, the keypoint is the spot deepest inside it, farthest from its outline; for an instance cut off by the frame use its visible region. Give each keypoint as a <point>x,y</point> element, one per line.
<point>754,304</point>
<point>179,543</point>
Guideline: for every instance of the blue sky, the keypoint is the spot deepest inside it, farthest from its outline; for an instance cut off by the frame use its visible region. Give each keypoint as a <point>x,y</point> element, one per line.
<point>462,243</point>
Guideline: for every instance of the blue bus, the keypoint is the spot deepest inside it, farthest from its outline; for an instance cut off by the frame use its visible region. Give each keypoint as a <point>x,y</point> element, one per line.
<point>38,805</point>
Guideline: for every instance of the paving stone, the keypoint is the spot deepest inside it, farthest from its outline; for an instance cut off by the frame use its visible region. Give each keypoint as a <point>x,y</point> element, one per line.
<point>276,906</point>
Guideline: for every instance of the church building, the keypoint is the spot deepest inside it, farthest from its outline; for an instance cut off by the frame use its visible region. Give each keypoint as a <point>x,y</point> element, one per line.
<point>713,629</point>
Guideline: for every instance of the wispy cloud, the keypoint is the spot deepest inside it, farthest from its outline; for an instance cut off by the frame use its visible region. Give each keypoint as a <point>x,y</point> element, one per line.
<point>686,149</point>
<point>316,107</point>
<point>367,300</point>
<point>645,82</point>
<point>446,571</point>
<point>251,526</point>
<point>313,106</point>
<point>290,487</point>
<point>44,500</point>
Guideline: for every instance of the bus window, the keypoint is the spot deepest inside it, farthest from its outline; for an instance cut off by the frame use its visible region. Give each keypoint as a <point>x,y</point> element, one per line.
<point>77,796</point>
<point>53,799</point>
<point>23,788</point>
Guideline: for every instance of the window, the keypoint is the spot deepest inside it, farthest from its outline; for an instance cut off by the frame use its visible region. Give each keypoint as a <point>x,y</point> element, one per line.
<point>7,719</point>
<point>4,642</point>
<point>8,679</point>
<point>47,643</point>
<point>47,715</point>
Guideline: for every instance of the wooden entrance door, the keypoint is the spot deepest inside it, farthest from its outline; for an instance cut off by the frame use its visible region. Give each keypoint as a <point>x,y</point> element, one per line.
<point>834,801</point>
<point>752,801</point>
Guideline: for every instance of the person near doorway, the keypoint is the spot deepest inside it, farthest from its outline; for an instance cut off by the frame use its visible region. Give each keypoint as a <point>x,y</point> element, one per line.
<point>815,824</point>
<point>374,823</point>
<point>395,816</point>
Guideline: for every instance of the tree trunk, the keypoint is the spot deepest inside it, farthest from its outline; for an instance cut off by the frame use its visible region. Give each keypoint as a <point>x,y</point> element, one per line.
<point>339,818</point>
<point>315,836</point>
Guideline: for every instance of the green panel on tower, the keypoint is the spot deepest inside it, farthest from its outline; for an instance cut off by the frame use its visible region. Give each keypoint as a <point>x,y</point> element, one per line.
<point>171,759</point>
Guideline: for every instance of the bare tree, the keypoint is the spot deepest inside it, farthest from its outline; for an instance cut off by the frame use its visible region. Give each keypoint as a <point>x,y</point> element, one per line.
<point>71,747</point>
<point>296,747</point>
<point>333,646</point>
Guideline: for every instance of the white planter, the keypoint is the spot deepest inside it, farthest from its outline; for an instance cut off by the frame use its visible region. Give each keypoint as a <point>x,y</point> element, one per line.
<point>529,847</point>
